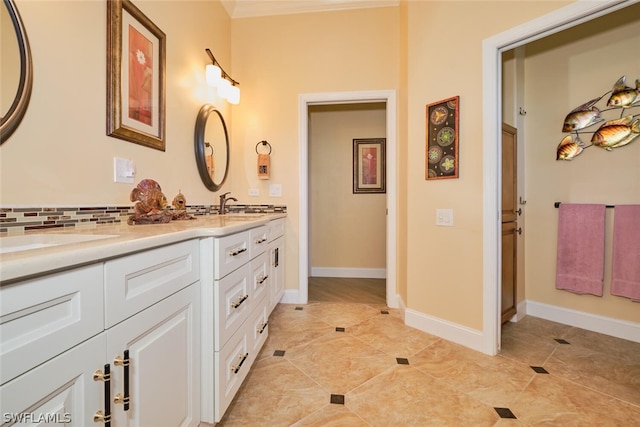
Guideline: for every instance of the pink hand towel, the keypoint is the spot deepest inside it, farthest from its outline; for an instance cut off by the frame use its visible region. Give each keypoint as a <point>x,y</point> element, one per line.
<point>625,267</point>
<point>580,258</point>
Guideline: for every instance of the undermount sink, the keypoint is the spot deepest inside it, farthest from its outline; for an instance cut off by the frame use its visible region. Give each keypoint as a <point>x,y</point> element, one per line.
<point>36,241</point>
<point>242,216</point>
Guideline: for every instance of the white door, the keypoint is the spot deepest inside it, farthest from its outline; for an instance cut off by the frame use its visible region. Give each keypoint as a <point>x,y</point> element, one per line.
<point>163,344</point>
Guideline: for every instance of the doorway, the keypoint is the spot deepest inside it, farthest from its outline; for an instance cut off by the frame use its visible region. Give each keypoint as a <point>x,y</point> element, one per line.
<point>347,239</point>
<point>387,97</point>
<point>493,47</point>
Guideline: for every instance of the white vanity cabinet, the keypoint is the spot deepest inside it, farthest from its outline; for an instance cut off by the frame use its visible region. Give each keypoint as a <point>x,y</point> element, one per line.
<point>64,336</point>
<point>236,275</point>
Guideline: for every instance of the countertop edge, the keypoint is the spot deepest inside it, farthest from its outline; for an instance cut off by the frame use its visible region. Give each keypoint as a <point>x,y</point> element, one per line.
<point>15,267</point>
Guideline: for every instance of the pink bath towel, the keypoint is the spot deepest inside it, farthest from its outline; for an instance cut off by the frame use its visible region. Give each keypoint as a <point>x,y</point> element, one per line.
<point>625,267</point>
<point>580,258</point>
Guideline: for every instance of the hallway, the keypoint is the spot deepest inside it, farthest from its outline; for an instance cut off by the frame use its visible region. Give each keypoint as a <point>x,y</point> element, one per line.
<point>348,364</point>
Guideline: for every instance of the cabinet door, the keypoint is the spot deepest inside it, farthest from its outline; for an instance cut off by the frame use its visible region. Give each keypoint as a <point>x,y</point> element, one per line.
<point>60,391</point>
<point>277,272</point>
<point>163,342</point>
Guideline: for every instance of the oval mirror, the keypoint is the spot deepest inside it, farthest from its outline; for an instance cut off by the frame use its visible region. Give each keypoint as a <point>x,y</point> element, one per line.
<point>16,73</point>
<point>211,147</point>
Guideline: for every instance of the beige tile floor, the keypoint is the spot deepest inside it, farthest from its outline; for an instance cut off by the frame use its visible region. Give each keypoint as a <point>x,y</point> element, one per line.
<point>383,373</point>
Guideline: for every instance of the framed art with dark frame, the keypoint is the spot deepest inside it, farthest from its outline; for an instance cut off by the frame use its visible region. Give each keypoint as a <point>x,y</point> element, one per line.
<point>136,55</point>
<point>442,139</point>
<point>369,165</point>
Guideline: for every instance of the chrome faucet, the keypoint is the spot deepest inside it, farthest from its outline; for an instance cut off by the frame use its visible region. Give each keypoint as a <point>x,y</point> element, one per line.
<point>223,202</point>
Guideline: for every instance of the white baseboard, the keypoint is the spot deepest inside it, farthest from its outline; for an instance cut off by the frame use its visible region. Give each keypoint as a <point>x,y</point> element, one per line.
<point>366,273</point>
<point>592,322</point>
<point>291,296</point>
<point>444,329</point>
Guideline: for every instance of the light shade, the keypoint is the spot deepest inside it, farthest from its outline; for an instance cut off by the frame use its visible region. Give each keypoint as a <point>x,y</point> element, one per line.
<point>213,75</point>
<point>234,95</point>
<point>224,87</point>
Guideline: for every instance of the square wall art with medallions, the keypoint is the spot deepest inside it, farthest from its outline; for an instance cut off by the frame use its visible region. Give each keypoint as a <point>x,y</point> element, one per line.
<point>442,139</point>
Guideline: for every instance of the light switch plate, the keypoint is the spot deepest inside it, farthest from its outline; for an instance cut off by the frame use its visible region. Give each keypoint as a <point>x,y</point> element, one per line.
<point>444,217</point>
<point>124,170</point>
<point>275,190</point>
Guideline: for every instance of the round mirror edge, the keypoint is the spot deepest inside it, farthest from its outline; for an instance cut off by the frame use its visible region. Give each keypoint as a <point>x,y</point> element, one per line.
<point>12,119</point>
<point>199,142</point>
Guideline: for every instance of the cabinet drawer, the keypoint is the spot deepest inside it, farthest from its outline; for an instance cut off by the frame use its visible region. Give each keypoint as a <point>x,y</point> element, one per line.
<point>258,328</point>
<point>134,282</point>
<point>259,240</point>
<point>231,252</point>
<point>276,228</point>
<point>260,278</point>
<point>232,304</point>
<point>232,365</point>
<point>43,317</point>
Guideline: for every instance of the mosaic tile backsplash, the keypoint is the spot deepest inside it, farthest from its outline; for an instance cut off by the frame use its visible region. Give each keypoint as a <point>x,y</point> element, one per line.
<point>18,220</point>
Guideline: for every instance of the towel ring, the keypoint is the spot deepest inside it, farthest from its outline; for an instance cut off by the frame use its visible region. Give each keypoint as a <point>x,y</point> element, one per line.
<point>213,151</point>
<point>265,143</point>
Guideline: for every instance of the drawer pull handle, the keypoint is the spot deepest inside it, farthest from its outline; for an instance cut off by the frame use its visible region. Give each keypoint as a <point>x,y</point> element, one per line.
<point>236,368</point>
<point>258,241</point>
<point>99,416</point>
<point>262,279</point>
<point>237,252</point>
<point>119,361</point>
<point>240,301</point>
<point>264,326</point>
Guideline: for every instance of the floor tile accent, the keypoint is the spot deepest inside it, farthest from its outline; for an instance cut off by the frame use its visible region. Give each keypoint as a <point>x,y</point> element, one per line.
<point>561,341</point>
<point>539,370</point>
<point>505,413</point>
<point>340,329</point>
<point>278,353</point>
<point>299,308</point>
<point>338,399</point>
<point>384,312</point>
<point>402,361</point>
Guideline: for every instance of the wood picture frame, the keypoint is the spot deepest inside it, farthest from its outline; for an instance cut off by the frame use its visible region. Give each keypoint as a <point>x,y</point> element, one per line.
<point>136,56</point>
<point>369,165</point>
<point>441,157</point>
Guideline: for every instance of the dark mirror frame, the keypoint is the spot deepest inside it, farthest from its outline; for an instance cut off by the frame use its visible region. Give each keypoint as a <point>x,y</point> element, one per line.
<point>199,142</point>
<point>12,119</point>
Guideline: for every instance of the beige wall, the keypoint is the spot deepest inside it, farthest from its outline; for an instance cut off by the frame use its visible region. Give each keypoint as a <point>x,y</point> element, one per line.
<point>347,230</point>
<point>444,264</point>
<point>278,58</point>
<point>60,155</point>
<point>562,72</point>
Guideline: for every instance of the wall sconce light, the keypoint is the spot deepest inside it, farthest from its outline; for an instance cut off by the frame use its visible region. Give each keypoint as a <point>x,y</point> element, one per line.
<point>218,78</point>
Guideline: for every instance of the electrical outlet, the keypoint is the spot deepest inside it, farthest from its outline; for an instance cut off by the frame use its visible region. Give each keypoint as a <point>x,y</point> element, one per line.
<point>254,192</point>
<point>444,217</point>
<point>275,190</point>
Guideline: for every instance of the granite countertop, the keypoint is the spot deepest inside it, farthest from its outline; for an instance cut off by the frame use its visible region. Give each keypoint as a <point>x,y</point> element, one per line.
<point>124,239</point>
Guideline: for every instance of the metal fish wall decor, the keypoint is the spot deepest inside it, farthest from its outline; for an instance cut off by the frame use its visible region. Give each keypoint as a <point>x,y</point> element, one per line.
<point>613,133</point>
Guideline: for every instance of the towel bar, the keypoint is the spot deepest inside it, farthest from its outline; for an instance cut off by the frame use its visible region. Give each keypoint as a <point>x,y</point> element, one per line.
<point>557,205</point>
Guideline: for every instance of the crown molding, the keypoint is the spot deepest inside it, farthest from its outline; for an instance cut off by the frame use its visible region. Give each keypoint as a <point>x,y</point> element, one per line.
<point>255,8</point>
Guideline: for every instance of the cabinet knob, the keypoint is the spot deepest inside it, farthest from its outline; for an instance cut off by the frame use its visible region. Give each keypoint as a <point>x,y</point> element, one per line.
<point>101,376</point>
<point>100,417</point>
<point>120,399</point>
